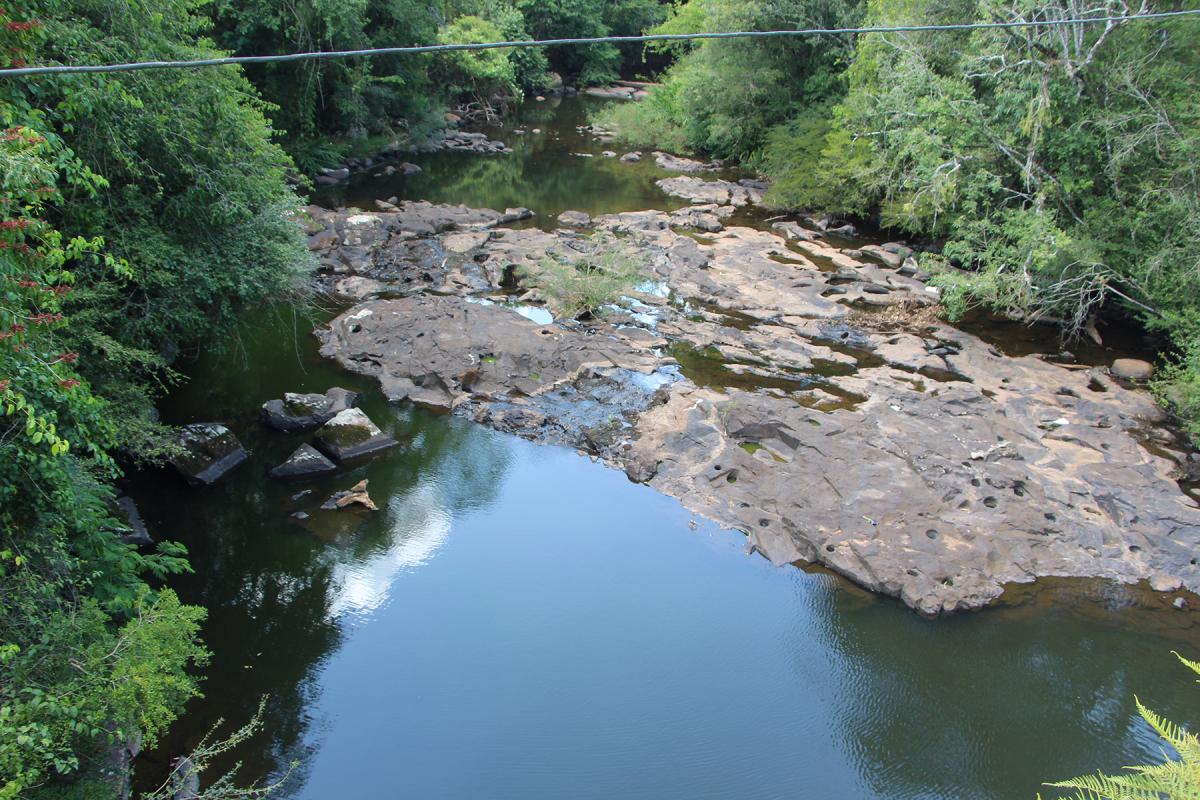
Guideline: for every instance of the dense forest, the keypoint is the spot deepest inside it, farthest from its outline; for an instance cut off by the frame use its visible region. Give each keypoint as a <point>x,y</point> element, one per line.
<point>1052,173</point>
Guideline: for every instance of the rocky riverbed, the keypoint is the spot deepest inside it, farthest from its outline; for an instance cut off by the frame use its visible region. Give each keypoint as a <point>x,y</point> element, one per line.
<point>774,382</point>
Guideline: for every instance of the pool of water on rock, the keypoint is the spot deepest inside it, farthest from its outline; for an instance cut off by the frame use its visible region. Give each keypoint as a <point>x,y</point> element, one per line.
<point>518,621</point>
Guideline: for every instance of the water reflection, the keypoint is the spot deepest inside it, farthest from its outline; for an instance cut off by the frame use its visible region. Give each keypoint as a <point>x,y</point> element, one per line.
<point>520,622</point>
<point>282,594</point>
<point>422,525</point>
<point>543,173</point>
<point>988,705</point>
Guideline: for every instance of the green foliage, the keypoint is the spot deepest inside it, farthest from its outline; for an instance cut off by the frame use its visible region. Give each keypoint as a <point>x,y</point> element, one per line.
<point>70,680</point>
<point>79,686</point>
<point>1175,779</point>
<point>529,64</point>
<point>1059,170</point>
<point>347,97</point>
<point>591,64</point>
<point>721,97</point>
<point>137,213</point>
<point>1177,384</point>
<point>479,74</point>
<point>581,283</point>
<point>649,125</point>
<point>185,772</point>
<point>195,202</point>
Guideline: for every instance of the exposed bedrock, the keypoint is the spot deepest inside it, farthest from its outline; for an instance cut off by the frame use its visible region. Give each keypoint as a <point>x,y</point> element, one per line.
<point>797,391</point>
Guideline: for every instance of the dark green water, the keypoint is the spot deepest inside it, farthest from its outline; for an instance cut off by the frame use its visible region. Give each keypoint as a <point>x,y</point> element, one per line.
<point>545,172</point>
<point>520,622</point>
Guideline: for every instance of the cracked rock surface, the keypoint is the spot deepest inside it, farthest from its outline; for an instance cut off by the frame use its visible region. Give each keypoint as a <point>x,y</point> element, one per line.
<point>780,384</point>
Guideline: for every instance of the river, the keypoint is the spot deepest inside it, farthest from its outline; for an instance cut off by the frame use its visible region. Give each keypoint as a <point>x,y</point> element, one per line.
<point>521,622</point>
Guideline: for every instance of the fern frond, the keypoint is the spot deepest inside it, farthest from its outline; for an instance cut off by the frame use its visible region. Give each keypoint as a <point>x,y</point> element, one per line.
<point>1180,780</point>
<point>1194,666</point>
<point>1186,744</point>
<point>1114,787</point>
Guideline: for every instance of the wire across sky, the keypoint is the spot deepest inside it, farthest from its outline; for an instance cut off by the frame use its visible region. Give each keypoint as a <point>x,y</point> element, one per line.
<point>74,69</point>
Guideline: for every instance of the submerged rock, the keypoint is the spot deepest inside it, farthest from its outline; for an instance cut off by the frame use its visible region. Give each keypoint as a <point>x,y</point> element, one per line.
<point>355,495</point>
<point>351,434</point>
<point>305,462</point>
<point>302,412</point>
<point>135,531</point>
<point>210,450</point>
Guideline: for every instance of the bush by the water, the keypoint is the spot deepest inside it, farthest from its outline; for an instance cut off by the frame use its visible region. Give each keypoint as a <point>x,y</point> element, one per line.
<point>584,282</point>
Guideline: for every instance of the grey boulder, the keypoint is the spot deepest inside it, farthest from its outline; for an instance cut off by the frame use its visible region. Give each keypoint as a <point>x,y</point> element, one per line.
<point>302,412</point>
<point>352,434</point>
<point>210,450</point>
<point>305,462</point>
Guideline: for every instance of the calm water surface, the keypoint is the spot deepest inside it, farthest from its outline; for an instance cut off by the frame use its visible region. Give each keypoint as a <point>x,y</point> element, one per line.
<point>520,622</point>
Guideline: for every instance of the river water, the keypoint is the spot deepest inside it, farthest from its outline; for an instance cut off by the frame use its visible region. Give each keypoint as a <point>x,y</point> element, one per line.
<point>520,622</point>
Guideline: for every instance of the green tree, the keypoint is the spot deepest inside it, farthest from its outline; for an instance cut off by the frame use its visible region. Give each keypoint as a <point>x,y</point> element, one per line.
<point>137,213</point>
<point>481,77</point>
<point>345,97</point>
<point>195,203</point>
<point>1057,164</point>
<point>597,63</point>
<point>721,97</point>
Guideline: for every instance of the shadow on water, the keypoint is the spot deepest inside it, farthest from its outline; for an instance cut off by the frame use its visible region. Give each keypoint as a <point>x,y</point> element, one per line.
<point>520,622</point>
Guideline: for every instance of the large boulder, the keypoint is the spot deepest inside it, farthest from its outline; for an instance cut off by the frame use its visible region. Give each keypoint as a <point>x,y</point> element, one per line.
<point>352,434</point>
<point>305,462</point>
<point>574,219</point>
<point>721,193</point>
<point>679,164</point>
<point>1132,369</point>
<point>302,412</point>
<point>209,451</point>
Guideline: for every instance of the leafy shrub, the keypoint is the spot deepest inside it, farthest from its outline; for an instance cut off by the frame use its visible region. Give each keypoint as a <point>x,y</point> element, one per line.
<point>476,74</point>
<point>1177,385</point>
<point>581,283</point>
<point>722,96</point>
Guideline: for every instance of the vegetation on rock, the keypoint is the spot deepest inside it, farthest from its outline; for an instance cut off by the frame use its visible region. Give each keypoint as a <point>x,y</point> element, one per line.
<point>583,283</point>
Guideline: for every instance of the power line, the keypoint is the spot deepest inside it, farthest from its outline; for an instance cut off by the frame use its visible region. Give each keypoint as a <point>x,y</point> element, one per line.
<point>659,37</point>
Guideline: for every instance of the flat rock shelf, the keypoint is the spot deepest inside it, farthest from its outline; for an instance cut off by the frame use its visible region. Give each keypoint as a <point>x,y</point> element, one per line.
<point>799,391</point>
